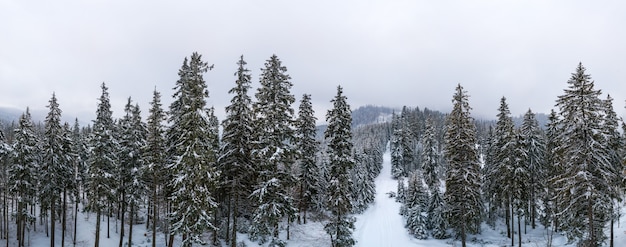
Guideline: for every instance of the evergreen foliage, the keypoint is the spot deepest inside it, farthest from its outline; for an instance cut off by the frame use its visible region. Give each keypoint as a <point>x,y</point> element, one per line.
<point>462,195</point>
<point>101,180</point>
<point>416,203</point>
<point>235,161</point>
<point>273,152</point>
<point>192,154</point>
<point>339,201</point>
<point>307,147</point>
<point>585,188</point>
<point>22,180</point>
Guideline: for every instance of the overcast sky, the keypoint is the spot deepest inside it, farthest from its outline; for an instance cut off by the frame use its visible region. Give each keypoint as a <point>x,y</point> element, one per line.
<point>390,53</point>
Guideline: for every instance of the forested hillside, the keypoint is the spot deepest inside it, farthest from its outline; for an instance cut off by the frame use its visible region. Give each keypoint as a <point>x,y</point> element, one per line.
<point>193,179</point>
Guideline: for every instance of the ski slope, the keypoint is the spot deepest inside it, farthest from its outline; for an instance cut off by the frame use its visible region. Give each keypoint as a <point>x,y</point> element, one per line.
<point>381,224</point>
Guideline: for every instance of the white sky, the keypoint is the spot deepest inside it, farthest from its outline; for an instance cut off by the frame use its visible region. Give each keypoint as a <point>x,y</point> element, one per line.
<point>390,53</point>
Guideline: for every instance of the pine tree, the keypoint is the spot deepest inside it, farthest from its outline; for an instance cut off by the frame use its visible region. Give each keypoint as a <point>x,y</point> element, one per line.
<point>132,141</point>
<point>339,139</point>
<point>430,156</point>
<point>307,148</point>
<point>102,160</point>
<point>192,155</point>
<point>500,174</point>
<point>436,218</point>
<point>585,189</point>
<point>21,180</point>
<point>56,166</point>
<point>462,195</point>
<point>154,157</point>
<point>554,168</point>
<point>534,145</point>
<point>363,186</point>
<point>273,152</point>
<point>235,161</point>
<point>614,143</point>
<point>79,168</point>
<point>416,203</point>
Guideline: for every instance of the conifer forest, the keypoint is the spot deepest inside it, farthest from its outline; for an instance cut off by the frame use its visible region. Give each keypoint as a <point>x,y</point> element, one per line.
<point>183,177</point>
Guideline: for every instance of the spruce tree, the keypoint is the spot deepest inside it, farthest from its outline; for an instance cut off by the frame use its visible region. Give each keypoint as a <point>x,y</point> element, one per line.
<point>534,145</point>
<point>462,195</point>
<point>235,161</point>
<point>500,174</point>
<point>615,144</point>
<point>554,168</point>
<point>273,152</point>
<point>192,155</point>
<point>416,204</point>
<point>339,138</point>
<point>102,160</point>
<point>56,165</point>
<point>585,188</point>
<point>430,155</point>
<point>21,180</point>
<point>154,157</point>
<point>307,148</point>
<point>131,160</point>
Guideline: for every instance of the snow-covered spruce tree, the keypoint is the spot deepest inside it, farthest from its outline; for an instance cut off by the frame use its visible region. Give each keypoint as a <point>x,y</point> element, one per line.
<point>492,203</point>
<point>69,185</point>
<point>192,155</point>
<point>535,147</point>
<point>363,187</point>
<point>430,155</point>
<point>273,152</point>
<point>56,164</point>
<point>79,168</point>
<point>416,204</point>
<point>436,218</point>
<point>235,161</point>
<point>400,191</point>
<point>462,195</point>
<point>307,147</point>
<point>339,138</point>
<point>154,157</point>
<point>396,147</point>
<point>554,167</point>
<point>21,180</point>
<point>500,174</point>
<point>520,183</point>
<point>615,144</point>
<point>131,161</point>
<point>102,160</point>
<point>585,189</point>
<point>403,147</point>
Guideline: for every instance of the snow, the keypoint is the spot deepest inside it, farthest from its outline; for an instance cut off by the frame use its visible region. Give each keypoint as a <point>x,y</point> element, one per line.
<point>380,225</point>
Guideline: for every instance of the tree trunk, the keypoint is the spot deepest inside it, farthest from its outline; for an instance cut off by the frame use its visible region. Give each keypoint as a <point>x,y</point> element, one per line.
<point>123,212</point>
<point>519,230</point>
<point>155,209</point>
<point>508,221</point>
<point>592,235</point>
<point>233,237</point>
<point>132,222</point>
<point>109,221</point>
<point>170,242</point>
<point>612,236</point>
<point>52,221</point>
<point>228,216</point>
<point>97,240</point>
<point>64,219</point>
<point>512,225</point>
<point>75,220</point>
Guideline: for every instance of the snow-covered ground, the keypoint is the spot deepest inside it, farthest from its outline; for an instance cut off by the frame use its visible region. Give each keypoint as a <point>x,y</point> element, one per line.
<point>379,226</point>
<point>382,225</point>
